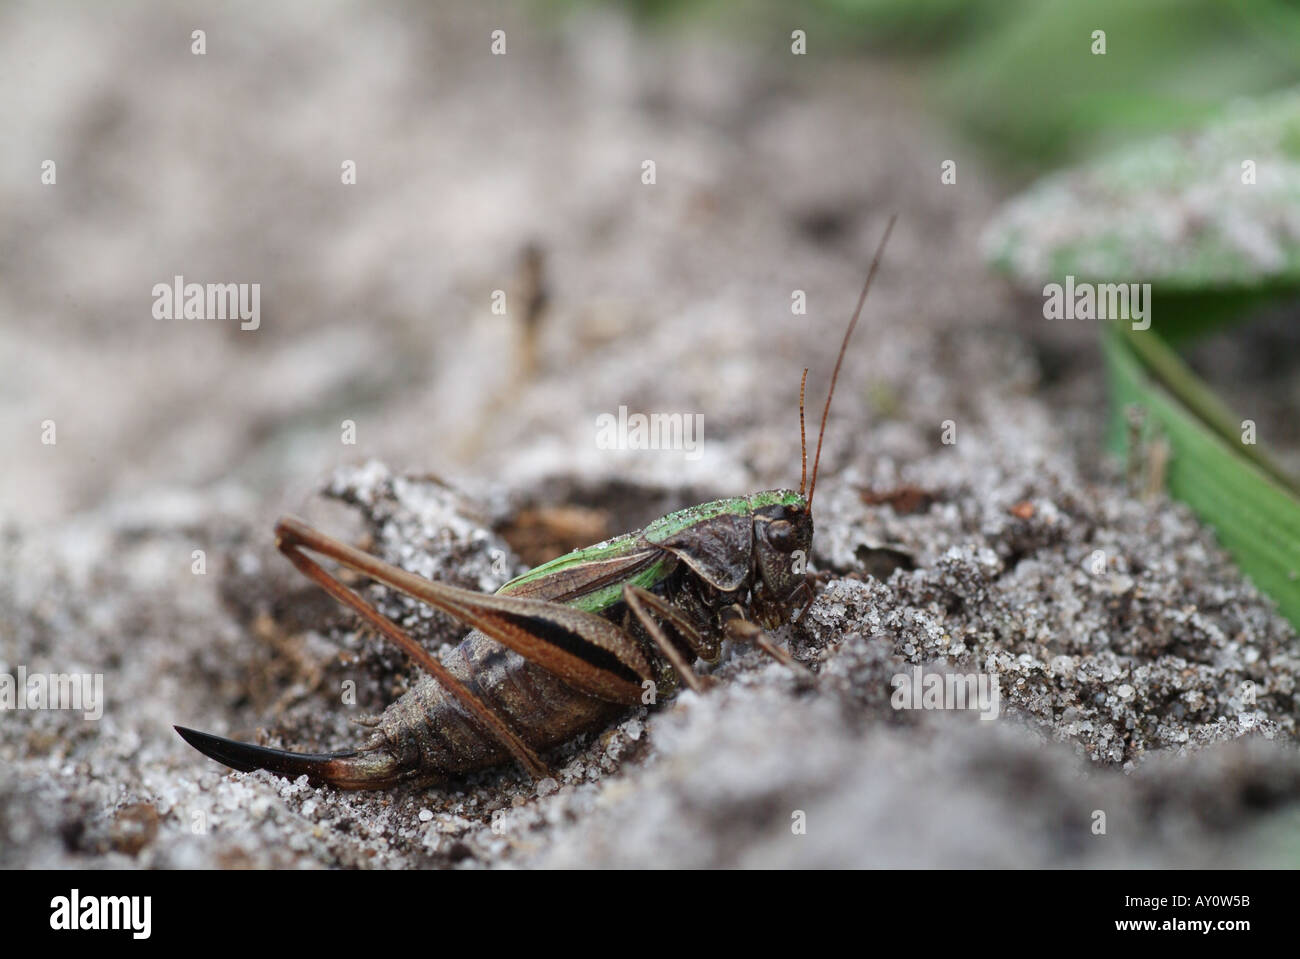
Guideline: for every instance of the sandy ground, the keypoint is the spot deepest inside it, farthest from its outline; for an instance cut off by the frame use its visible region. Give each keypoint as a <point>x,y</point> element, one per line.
<point>1147,691</point>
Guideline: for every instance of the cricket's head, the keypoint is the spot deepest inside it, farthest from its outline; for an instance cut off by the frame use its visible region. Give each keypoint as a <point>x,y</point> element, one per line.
<point>783,533</point>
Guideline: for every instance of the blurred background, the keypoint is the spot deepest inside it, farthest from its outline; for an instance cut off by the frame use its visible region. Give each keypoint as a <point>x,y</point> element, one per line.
<point>782,138</point>
<point>377,297</point>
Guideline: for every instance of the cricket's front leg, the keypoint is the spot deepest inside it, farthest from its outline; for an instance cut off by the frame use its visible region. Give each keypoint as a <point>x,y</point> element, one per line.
<point>649,609</point>
<point>737,626</point>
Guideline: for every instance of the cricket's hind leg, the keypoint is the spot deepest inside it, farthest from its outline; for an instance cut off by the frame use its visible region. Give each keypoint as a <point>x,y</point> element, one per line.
<point>373,766</point>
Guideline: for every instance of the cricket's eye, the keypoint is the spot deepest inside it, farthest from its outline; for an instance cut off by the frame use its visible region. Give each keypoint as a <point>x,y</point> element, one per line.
<point>780,533</point>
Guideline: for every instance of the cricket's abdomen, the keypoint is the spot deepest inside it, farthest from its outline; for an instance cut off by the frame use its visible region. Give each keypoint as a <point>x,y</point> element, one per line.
<point>430,730</point>
<point>429,737</point>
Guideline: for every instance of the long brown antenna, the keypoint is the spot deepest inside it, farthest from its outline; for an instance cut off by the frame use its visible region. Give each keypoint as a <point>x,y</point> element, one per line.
<point>862,298</point>
<point>803,437</point>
